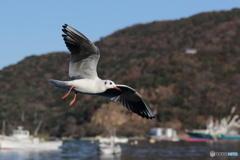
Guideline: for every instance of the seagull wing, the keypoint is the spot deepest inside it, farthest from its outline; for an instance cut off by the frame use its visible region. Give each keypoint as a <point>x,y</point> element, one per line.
<point>130,99</point>
<point>84,54</point>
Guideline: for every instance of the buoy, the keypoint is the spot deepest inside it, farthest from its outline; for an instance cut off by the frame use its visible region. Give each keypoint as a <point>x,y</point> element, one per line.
<point>152,140</point>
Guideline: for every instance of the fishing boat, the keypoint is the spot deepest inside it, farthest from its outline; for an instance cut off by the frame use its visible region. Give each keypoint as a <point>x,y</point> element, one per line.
<point>224,130</point>
<point>22,140</point>
<point>116,140</point>
<point>109,147</point>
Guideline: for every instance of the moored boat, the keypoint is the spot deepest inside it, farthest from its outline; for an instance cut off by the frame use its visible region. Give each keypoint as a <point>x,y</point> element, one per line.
<point>22,140</point>
<point>109,147</point>
<point>116,140</point>
<point>223,130</point>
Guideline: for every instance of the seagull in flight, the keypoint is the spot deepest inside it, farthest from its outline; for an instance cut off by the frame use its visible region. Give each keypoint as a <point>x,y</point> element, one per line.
<point>83,67</point>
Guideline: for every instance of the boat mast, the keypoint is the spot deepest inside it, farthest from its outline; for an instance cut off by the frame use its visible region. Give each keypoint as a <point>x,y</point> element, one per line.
<point>37,129</point>
<point>3,127</point>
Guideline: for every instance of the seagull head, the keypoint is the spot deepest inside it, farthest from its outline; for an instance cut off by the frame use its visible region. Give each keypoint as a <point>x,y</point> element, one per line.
<point>110,84</point>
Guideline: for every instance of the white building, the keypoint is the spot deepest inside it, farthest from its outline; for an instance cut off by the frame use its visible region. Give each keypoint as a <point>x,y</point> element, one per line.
<point>190,50</point>
<point>163,134</point>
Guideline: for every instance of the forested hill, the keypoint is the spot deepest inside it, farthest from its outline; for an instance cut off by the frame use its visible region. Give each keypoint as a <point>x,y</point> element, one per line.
<point>182,89</point>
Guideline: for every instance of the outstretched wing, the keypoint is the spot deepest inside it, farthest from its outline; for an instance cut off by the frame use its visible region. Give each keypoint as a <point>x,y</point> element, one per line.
<point>130,99</point>
<point>84,54</point>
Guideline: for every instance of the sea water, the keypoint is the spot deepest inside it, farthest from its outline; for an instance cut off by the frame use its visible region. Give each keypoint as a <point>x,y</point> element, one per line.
<point>161,150</point>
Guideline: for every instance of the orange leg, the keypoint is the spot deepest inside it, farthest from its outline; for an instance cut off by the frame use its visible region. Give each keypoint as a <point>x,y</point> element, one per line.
<point>74,99</point>
<point>63,97</point>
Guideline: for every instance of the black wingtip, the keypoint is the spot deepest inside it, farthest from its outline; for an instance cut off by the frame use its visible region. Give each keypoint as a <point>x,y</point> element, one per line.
<point>64,28</point>
<point>65,25</point>
<point>148,117</point>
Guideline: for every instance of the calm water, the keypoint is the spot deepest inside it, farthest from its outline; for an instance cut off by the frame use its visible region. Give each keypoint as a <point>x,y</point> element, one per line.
<point>84,150</point>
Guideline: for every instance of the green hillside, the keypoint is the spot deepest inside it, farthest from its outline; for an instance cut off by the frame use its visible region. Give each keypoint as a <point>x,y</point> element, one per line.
<point>182,89</point>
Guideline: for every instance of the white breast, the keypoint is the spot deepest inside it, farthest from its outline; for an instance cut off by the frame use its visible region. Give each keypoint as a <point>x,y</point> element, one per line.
<point>88,85</point>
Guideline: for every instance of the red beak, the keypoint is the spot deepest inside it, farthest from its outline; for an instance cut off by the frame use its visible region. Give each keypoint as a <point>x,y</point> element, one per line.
<point>117,88</point>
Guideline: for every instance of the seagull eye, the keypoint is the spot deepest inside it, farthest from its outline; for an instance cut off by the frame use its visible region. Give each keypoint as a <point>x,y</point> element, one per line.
<point>110,83</point>
<point>105,82</point>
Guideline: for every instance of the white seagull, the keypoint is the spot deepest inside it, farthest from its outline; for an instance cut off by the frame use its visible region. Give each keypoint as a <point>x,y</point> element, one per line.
<point>82,66</point>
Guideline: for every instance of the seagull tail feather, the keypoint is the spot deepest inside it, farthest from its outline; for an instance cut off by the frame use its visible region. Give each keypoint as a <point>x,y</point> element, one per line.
<point>60,84</point>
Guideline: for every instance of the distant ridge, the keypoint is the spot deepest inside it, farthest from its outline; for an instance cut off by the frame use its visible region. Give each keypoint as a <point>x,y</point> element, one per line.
<point>182,89</point>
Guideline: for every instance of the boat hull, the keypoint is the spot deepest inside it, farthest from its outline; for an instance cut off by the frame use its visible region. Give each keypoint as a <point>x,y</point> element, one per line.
<point>16,145</point>
<point>194,136</point>
<point>110,149</point>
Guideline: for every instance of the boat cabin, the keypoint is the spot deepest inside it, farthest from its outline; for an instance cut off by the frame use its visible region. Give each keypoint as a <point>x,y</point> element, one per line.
<point>19,133</point>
